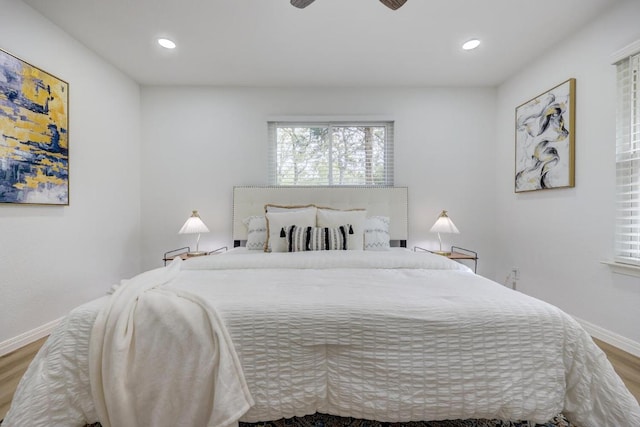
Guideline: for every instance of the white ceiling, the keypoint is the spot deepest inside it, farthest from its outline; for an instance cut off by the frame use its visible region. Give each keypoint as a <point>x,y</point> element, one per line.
<point>330,43</point>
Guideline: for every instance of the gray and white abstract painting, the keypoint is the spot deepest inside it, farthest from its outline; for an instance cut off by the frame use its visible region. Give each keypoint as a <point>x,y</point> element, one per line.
<point>545,140</point>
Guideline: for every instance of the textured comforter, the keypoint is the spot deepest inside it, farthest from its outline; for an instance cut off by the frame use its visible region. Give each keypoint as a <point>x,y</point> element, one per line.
<point>392,336</point>
<point>161,357</point>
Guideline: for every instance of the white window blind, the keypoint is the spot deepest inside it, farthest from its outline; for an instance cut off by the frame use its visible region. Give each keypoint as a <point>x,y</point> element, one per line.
<point>627,237</point>
<point>334,153</point>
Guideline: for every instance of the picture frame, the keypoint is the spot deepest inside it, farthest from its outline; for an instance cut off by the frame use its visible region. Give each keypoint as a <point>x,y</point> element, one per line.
<point>34,134</point>
<point>545,140</point>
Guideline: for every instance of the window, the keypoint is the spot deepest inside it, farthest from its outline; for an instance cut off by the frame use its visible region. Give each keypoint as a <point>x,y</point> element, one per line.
<point>335,153</point>
<point>627,237</point>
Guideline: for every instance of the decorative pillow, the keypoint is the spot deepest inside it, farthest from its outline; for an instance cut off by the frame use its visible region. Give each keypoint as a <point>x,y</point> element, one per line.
<point>256,232</point>
<point>376,234</point>
<point>316,238</point>
<point>328,217</point>
<point>276,221</point>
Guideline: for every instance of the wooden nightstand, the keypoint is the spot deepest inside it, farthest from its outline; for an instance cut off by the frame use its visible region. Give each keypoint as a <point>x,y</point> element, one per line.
<point>457,254</point>
<point>184,253</point>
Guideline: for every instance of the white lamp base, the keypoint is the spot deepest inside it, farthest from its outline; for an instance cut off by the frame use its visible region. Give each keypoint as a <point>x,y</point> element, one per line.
<point>197,252</point>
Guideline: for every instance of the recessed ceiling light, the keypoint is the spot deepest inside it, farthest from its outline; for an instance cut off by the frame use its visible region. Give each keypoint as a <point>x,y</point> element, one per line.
<point>166,43</point>
<point>471,44</point>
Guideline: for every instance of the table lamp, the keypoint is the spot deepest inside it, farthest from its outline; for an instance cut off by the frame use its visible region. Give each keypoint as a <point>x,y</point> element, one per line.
<point>194,225</point>
<point>443,225</point>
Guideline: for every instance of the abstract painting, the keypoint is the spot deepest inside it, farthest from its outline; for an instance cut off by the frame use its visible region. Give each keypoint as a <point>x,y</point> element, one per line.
<point>545,140</point>
<point>34,134</point>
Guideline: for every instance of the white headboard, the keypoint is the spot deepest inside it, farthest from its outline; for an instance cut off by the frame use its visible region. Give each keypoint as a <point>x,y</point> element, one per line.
<point>385,201</point>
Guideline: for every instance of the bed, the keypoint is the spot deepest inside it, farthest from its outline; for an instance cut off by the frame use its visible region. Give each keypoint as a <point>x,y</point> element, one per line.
<point>384,334</point>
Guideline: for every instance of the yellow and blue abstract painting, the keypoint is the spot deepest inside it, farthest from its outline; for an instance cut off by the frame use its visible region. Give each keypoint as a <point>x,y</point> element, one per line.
<point>34,134</point>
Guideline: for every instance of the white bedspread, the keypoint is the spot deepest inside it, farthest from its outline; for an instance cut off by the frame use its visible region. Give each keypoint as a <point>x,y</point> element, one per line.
<point>392,336</point>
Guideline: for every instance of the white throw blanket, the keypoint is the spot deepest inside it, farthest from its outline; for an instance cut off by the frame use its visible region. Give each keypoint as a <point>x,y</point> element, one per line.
<point>162,357</point>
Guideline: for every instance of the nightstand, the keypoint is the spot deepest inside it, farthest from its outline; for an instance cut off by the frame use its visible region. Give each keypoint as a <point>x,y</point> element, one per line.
<point>184,253</point>
<point>457,254</point>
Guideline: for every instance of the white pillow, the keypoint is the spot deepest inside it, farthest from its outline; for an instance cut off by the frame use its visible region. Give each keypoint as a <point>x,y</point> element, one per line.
<point>328,217</point>
<point>276,221</point>
<point>256,232</point>
<point>376,234</point>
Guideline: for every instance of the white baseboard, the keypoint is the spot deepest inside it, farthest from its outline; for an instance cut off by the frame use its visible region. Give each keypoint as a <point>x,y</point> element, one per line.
<point>623,343</point>
<point>28,337</point>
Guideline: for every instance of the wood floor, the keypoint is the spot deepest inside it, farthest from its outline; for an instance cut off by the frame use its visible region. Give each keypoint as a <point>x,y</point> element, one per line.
<point>13,365</point>
<point>626,365</point>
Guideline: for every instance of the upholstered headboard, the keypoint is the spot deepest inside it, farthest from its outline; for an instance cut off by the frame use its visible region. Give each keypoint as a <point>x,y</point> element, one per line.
<point>385,201</point>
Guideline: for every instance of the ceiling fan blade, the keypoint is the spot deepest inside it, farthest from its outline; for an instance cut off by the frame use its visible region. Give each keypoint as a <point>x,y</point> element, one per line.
<point>391,4</point>
<point>301,4</point>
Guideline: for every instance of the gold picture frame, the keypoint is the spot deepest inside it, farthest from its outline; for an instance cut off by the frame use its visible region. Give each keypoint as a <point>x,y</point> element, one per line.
<point>34,134</point>
<point>545,140</point>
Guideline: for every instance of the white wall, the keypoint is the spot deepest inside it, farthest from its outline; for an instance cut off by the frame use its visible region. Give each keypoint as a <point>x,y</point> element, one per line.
<point>53,258</point>
<point>199,142</point>
<point>454,150</point>
<point>558,237</point>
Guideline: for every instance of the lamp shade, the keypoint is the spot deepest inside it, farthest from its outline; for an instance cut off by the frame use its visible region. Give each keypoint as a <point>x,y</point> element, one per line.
<point>193,225</point>
<point>444,225</point>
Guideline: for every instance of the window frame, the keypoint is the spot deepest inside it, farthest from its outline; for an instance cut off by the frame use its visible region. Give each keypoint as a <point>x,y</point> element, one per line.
<point>627,188</point>
<point>388,174</point>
